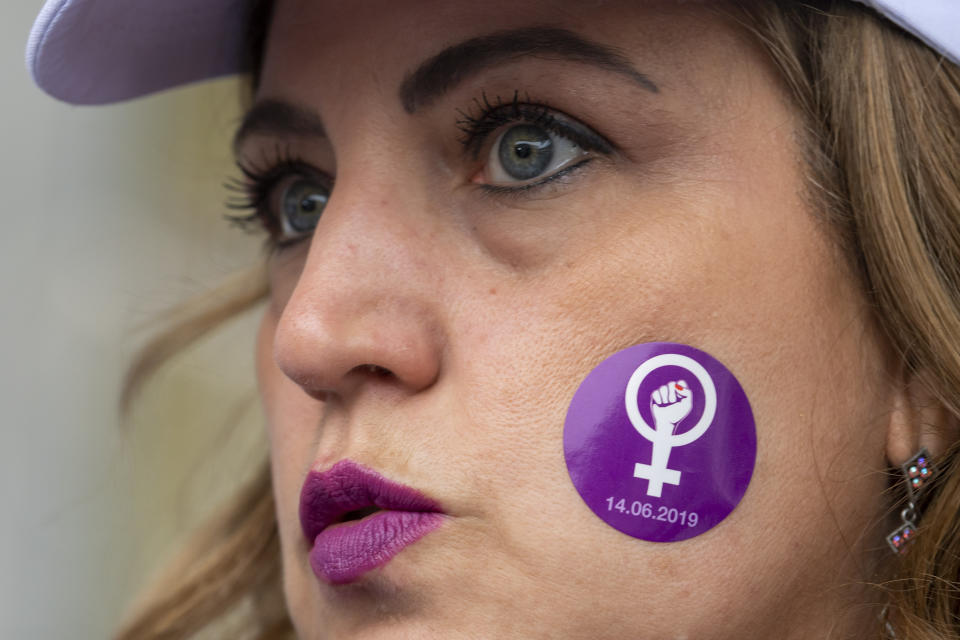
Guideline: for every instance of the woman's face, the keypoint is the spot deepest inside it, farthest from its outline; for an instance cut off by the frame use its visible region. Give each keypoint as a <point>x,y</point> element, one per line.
<point>458,288</point>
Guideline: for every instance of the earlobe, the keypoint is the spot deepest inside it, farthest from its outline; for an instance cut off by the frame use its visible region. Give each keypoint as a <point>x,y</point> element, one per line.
<point>918,420</point>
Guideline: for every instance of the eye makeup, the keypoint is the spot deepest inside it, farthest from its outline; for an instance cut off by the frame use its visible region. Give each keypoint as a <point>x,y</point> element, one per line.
<point>569,145</point>
<point>486,116</point>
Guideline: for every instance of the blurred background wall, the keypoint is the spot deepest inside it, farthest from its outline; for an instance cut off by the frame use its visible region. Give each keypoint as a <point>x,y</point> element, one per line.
<point>110,216</point>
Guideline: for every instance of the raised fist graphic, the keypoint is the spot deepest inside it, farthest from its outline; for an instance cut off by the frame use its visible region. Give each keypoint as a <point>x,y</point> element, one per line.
<point>670,404</point>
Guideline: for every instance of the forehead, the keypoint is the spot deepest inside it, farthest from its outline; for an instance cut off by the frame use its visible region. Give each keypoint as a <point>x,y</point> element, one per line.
<point>343,45</point>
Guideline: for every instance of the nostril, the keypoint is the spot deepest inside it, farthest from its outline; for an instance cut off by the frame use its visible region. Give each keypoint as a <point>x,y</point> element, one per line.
<point>373,369</point>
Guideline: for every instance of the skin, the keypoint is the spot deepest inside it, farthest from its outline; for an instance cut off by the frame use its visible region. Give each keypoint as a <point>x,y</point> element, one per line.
<point>481,314</point>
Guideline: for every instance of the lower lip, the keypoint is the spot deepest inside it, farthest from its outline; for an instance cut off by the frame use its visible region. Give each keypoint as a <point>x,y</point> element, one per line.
<point>344,553</point>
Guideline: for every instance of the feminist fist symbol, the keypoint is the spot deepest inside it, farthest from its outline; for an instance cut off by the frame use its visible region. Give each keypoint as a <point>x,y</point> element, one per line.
<point>670,404</point>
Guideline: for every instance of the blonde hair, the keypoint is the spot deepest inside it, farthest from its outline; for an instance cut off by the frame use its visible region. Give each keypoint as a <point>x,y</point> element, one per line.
<point>881,138</point>
<point>882,144</point>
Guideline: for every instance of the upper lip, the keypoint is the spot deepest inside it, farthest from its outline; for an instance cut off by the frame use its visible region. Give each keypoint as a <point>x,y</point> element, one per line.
<point>347,486</point>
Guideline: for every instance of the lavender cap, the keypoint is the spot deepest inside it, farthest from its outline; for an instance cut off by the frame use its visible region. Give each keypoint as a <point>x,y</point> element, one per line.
<point>103,51</point>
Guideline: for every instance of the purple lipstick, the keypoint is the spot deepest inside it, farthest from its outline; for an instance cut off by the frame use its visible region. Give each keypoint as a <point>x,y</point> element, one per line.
<point>357,520</point>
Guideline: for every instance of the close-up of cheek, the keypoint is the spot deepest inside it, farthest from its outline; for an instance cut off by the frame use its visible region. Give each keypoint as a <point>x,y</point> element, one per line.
<point>498,452</point>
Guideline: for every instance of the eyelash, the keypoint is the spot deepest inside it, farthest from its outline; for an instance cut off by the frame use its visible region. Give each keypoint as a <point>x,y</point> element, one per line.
<point>492,115</point>
<point>252,191</point>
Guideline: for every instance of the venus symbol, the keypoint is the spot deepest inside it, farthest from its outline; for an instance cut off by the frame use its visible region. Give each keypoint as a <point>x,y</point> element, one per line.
<point>670,404</point>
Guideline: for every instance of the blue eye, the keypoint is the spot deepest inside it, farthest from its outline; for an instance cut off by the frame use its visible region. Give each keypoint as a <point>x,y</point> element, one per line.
<point>286,198</point>
<point>527,152</point>
<point>302,202</point>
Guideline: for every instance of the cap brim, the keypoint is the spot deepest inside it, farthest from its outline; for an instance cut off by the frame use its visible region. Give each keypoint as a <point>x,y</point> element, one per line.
<point>102,51</point>
<point>935,22</point>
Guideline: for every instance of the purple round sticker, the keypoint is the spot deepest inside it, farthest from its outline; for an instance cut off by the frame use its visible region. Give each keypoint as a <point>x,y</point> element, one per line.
<point>660,441</point>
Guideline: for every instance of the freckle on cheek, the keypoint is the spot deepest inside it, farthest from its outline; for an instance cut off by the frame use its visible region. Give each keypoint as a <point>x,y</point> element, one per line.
<point>493,291</point>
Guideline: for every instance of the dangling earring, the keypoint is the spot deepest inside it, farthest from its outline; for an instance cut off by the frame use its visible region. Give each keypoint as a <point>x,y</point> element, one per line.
<point>887,628</point>
<point>917,472</point>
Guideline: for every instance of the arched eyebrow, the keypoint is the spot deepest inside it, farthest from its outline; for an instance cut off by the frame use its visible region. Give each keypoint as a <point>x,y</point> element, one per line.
<point>442,72</point>
<point>453,65</point>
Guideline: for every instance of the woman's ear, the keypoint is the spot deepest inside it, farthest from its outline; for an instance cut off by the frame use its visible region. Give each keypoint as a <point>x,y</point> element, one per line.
<point>918,420</point>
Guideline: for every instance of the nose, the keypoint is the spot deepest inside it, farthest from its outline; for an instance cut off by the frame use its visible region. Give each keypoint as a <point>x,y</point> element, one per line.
<point>365,307</point>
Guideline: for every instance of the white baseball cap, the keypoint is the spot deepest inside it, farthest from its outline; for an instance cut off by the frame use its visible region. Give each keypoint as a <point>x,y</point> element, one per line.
<point>103,51</point>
